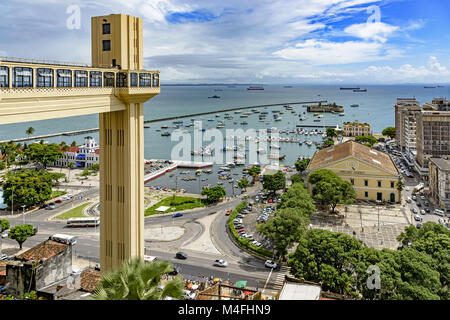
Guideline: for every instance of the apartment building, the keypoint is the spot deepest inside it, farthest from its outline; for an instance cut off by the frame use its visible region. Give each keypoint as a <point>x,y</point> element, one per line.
<point>406,113</point>
<point>439,181</point>
<point>355,129</point>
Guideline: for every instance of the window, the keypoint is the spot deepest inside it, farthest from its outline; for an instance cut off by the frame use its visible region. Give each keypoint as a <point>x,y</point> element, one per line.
<point>379,183</point>
<point>392,184</point>
<point>352,181</point>
<point>4,77</point>
<point>155,80</point>
<point>366,194</point>
<point>44,77</point>
<point>145,79</point>
<point>106,45</point>
<point>96,79</point>
<point>81,78</point>
<point>108,79</point>
<point>63,78</point>
<point>133,79</point>
<point>366,182</point>
<point>106,28</point>
<point>121,80</point>
<point>23,77</point>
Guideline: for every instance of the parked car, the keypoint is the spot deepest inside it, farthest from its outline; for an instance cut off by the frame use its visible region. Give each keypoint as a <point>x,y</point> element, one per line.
<point>422,211</point>
<point>5,234</point>
<point>181,255</point>
<point>427,210</point>
<point>237,220</point>
<point>220,263</point>
<point>178,214</point>
<point>50,207</point>
<point>414,210</point>
<point>256,243</point>
<point>419,204</point>
<point>417,218</point>
<point>270,264</point>
<point>426,204</point>
<point>418,225</point>
<point>238,226</point>
<point>58,201</point>
<point>43,206</point>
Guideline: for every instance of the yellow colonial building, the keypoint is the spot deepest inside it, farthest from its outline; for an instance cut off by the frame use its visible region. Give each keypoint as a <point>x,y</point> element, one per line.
<point>355,129</point>
<point>371,172</point>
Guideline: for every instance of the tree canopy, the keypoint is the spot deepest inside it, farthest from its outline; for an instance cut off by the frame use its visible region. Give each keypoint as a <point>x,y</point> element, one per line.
<point>366,140</point>
<point>275,181</point>
<point>389,132</point>
<point>43,154</point>
<point>214,194</point>
<point>21,233</point>
<point>301,165</point>
<point>4,225</point>
<point>243,183</point>
<point>330,190</point>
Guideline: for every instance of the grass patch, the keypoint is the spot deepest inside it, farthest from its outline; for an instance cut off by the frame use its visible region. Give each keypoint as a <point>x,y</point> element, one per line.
<point>76,212</point>
<point>57,193</point>
<point>177,202</point>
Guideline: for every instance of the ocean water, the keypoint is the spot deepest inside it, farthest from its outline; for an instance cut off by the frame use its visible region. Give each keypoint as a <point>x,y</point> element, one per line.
<point>375,107</point>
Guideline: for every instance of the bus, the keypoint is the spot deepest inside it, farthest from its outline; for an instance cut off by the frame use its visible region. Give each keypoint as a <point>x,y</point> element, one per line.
<point>83,222</point>
<point>64,238</point>
<point>419,187</point>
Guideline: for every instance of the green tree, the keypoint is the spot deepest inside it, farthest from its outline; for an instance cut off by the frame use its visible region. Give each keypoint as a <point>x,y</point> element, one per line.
<point>296,178</point>
<point>70,166</point>
<point>94,167</point>
<point>30,187</point>
<point>301,165</point>
<point>29,131</point>
<point>254,171</point>
<point>85,173</point>
<point>275,181</point>
<point>284,229</point>
<point>4,225</point>
<point>214,194</point>
<point>138,280</point>
<point>331,133</point>
<point>330,190</point>
<point>21,233</point>
<point>366,140</point>
<point>243,183</point>
<point>43,153</point>
<point>297,197</point>
<point>73,144</point>
<point>389,132</point>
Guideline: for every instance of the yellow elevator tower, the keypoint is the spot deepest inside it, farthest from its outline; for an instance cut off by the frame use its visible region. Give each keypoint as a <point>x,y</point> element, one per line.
<point>115,86</point>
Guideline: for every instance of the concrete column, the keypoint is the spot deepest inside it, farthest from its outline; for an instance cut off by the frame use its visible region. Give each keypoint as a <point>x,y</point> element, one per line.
<point>121,186</point>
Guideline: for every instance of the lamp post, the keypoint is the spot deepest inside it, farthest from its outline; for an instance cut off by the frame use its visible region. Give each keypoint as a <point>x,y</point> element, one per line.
<point>23,213</point>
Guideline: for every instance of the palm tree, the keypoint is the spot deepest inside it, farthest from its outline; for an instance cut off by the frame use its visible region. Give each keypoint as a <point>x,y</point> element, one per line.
<point>70,166</point>
<point>29,131</point>
<point>139,280</point>
<point>400,186</point>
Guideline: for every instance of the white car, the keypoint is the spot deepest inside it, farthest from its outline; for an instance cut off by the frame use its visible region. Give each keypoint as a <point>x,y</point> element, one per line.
<point>417,218</point>
<point>5,234</point>
<point>220,263</point>
<point>256,243</point>
<point>422,211</point>
<point>270,264</point>
<point>407,188</point>
<point>237,220</point>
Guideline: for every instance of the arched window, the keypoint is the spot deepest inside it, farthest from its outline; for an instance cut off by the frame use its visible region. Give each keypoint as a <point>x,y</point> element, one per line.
<point>108,79</point>
<point>81,78</point>
<point>23,77</point>
<point>4,77</point>
<point>63,78</point>
<point>96,79</point>
<point>44,77</point>
<point>145,79</point>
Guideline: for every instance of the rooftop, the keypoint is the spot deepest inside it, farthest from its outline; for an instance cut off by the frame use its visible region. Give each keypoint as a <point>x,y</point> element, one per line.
<point>43,251</point>
<point>352,148</point>
<point>89,280</point>
<point>441,163</point>
<point>299,289</point>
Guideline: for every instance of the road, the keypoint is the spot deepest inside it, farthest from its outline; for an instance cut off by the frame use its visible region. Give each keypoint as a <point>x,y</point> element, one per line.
<point>241,265</point>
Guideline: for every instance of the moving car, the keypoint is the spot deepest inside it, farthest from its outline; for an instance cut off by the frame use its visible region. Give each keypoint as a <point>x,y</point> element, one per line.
<point>228,212</point>
<point>178,214</point>
<point>220,263</point>
<point>181,255</point>
<point>270,264</point>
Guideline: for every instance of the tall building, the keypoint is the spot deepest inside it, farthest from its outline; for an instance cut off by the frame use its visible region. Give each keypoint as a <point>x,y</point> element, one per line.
<point>355,129</point>
<point>406,113</point>
<point>433,136</point>
<point>371,172</point>
<point>439,181</point>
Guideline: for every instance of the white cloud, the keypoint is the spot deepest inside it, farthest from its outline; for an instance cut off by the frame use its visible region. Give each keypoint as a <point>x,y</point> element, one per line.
<point>377,31</point>
<point>322,52</point>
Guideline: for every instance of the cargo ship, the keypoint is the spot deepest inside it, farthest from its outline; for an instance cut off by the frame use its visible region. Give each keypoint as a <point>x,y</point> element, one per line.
<point>350,88</point>
<point>255,88</point>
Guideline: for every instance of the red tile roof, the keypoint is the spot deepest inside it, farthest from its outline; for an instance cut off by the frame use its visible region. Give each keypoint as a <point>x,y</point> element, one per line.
<point>71,149</point>
<point>44,250</point>
<point>89,280</point>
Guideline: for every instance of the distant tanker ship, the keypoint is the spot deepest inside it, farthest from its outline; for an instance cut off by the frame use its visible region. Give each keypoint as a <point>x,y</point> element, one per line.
<point>255,88</point>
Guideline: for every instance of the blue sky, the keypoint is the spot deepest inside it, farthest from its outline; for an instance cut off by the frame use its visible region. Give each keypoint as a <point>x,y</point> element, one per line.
<point>252,41</point>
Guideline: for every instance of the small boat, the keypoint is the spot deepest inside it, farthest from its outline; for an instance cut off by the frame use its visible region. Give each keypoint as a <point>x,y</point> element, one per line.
<point>244,122</point>
<point>255,88</point>
<point>341,114</point>
<point>146,127</point>
<point>429,87</point>
<point>360,90</point>
<point>214,97</point>
<point>354,105</point>
<point>164,127</point>
<point>165,134</point>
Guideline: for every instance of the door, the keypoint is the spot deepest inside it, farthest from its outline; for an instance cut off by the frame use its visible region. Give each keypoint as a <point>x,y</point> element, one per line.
<point>392,197</point>
<point>379,196</point>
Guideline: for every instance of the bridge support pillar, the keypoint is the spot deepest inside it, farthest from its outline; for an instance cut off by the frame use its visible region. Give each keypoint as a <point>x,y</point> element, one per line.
<point>121,186</point>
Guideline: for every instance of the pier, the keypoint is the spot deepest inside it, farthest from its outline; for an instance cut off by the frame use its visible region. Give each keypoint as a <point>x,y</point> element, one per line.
<point>83,131</point>
<point>174,165</point>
